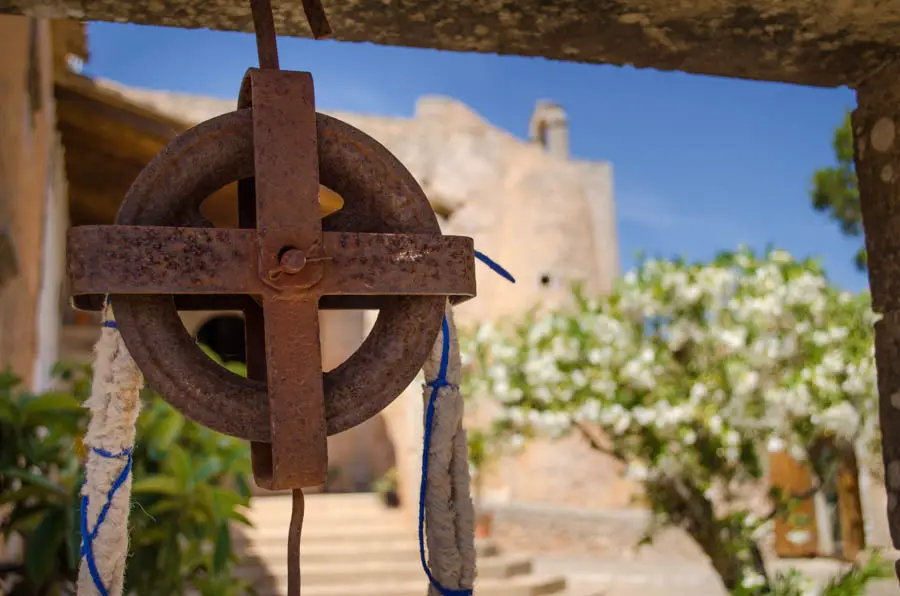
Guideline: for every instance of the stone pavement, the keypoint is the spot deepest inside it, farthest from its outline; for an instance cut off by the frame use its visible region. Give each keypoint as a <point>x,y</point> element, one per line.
<point>608,576</point>
<point>353,546</point>
<point>596,552</point>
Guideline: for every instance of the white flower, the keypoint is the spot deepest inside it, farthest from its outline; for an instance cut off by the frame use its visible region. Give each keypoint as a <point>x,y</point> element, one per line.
<point>842,419</point>
<point>750,351</point>
<point>637,471</point>
<point>752,580</point>
<point>775,445</point>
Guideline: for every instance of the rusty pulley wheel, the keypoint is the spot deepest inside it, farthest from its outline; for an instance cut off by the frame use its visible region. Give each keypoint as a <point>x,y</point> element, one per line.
<point>383,249</point>
<point>381,197</point>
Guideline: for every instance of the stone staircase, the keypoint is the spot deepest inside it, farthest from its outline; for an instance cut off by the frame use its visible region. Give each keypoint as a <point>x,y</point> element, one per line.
<point>353,546</point>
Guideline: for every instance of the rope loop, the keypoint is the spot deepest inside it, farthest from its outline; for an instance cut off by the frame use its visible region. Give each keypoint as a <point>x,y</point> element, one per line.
<point>461,507</point>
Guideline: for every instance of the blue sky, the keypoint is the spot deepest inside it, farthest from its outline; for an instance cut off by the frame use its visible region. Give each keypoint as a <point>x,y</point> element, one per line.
<point>700,164</point>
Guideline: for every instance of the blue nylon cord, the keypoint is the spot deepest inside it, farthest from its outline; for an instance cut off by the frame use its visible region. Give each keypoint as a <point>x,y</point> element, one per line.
<point>87,537</point>
<point>436,384</point>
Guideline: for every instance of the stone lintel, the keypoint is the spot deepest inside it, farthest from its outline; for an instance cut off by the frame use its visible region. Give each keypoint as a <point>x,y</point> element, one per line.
<point>877,156</point>
<point>797,41</point>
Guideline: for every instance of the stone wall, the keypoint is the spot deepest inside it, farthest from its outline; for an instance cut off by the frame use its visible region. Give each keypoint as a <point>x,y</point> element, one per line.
<point>31,186</point>
<point>27,161</point>
<point>547,218</point>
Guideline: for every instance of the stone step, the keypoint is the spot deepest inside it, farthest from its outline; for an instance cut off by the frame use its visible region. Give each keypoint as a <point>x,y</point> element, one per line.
<point>324,552</point>
<point>519,586</point>
<point>327,504</point>
<point>347,570</point>
<point>357,533</point>
<point>318,518</point>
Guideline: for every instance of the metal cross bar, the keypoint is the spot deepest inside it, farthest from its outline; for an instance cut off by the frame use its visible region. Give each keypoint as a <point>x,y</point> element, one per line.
<point>286,264</point>
<point>383,247</point>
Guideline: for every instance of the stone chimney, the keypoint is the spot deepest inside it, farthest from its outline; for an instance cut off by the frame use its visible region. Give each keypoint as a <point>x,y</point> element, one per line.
<point>549,128</point>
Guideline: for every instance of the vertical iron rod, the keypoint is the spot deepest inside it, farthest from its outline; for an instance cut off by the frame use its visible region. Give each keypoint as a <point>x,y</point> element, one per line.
<point>266,37</point>
<point>297,510</point>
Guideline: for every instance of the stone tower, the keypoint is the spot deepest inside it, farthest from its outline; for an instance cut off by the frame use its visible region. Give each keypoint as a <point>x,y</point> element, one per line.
<point>549,128</point>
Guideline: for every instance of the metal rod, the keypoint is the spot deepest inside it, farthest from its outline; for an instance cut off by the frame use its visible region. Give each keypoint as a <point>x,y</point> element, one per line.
<point>317,19</point>
<point>298,508</point>
<point>266,37</point>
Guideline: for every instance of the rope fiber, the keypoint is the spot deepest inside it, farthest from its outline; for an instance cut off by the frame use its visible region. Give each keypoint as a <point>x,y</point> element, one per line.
<point>446,512</point>
<point>114,405</point>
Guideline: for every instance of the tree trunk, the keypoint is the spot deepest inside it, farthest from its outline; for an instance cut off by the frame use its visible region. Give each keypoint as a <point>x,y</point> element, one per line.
<point>689,508</point>
<point>853,531</point>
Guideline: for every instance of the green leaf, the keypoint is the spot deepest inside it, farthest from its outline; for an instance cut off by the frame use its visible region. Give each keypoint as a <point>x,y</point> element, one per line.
<point>30,491</point>
<point>34,479</point>
<point>182,469</point>
<point>165,506</point>
<point>241,518</point>
<point>222,549</point>
<point>51,402</point>
<point>43,543</point>
<point>211,353</point>
<point>8,412</point>
<point>157,484</point>
<point>167,431</point>
<point>73,538</point>
<point>238,368</point>
<point>210,467</point>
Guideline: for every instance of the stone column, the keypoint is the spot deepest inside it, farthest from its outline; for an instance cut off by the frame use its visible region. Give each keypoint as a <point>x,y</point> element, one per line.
<point>405,427</point>
<point>877,159</point>
<point>342,332</point>
<point>27,128</point>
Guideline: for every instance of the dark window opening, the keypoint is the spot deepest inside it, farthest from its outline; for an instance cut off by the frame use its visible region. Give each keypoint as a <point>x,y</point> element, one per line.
<point>442,210</point>
<point>542,139</point>
<point>224,335</point>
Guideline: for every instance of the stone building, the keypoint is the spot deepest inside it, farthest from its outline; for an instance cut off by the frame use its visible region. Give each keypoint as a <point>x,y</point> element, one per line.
<point>547,218</point>
<point>505,192</point>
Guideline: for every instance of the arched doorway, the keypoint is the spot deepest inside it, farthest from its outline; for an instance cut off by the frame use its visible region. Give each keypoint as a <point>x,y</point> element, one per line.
<point>224,335</point>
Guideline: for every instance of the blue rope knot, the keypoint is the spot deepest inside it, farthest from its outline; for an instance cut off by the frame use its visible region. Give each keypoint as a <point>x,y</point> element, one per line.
<point>87,537</point>
<point>440,382</point>
<point>435,385</point>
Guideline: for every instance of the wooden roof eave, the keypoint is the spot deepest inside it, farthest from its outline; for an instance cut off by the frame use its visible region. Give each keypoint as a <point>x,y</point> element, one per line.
<point>108,141</point>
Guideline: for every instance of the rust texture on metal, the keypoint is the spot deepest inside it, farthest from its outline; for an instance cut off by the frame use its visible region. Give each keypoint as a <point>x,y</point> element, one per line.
<point>383,248</point>
<point>266,36</point>
<point>286,166</point>
<point>213,261</point>
<point>317,19</point>
<point>382,198</point>
<point>298,510</point>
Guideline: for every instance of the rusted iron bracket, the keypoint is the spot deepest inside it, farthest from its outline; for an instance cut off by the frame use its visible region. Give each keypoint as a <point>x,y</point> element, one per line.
<point>383,250</point>
<point>385,243</point>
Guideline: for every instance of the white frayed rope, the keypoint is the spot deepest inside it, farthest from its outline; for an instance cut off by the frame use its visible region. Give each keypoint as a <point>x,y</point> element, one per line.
<point>446,513</point>
<point>106,496</point>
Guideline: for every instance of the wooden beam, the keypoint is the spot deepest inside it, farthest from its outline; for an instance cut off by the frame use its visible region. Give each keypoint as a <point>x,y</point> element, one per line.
<point>796,41</point>
<point>108,141</point>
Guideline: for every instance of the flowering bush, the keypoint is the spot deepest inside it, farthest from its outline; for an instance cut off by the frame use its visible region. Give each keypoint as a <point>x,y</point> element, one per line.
<point>688,373</point>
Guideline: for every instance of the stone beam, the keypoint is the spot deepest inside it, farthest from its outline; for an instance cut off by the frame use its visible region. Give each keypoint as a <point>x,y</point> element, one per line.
<point>877,150</point>
<point>799,41</point>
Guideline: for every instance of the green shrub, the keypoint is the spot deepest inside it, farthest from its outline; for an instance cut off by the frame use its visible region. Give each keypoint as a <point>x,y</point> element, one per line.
<point>190,484</point>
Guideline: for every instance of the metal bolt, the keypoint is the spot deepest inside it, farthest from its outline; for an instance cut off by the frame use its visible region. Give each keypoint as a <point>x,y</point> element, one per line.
<point>293,261</point>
